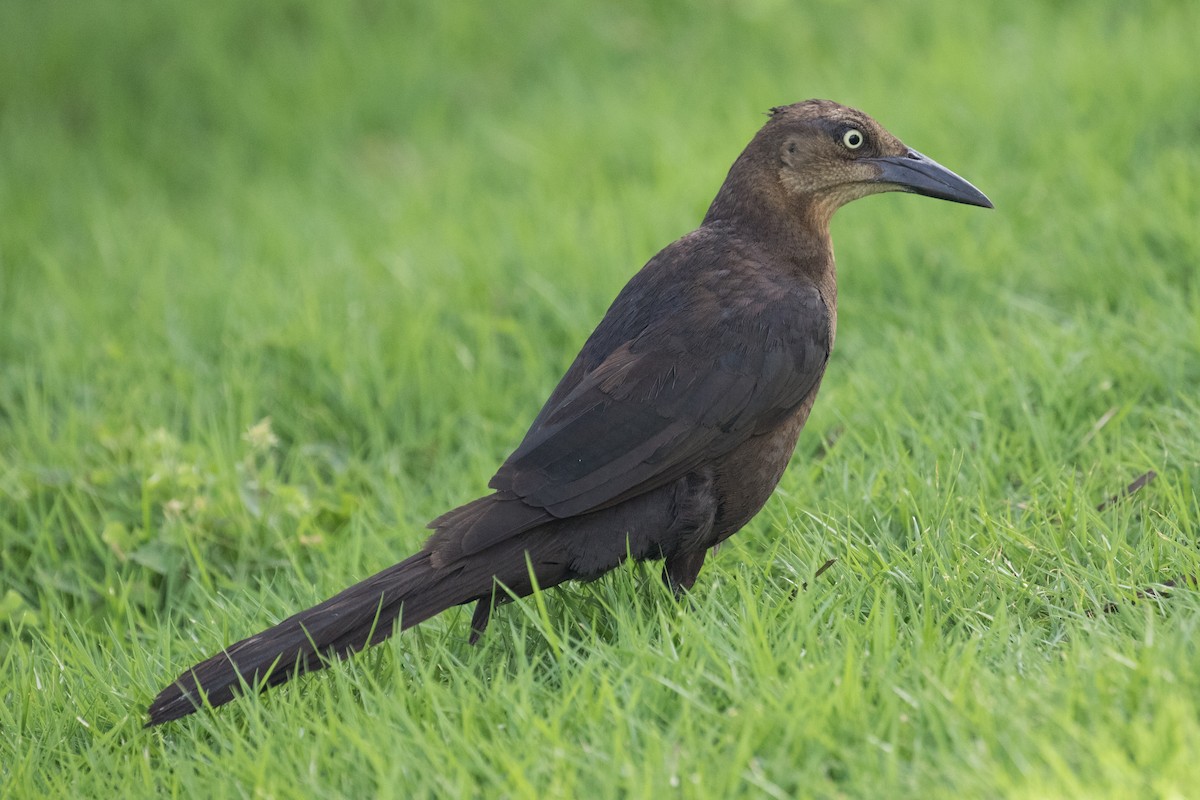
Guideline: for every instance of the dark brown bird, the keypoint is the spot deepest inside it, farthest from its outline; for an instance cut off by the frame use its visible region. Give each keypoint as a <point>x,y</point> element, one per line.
<point>669,431</point>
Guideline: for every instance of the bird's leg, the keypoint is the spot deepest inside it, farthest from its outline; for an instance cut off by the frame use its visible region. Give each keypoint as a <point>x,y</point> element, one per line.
<point>483,613</point>
<point>681,570</point>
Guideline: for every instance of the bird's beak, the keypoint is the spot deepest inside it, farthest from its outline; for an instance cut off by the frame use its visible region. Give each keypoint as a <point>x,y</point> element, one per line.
<point>915,173</point>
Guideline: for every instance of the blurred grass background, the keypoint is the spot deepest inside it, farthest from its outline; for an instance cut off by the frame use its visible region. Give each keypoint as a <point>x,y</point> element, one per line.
<point>279,282</point>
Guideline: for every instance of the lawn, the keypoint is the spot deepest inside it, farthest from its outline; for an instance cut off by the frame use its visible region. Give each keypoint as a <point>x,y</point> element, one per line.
<point>281,282</point>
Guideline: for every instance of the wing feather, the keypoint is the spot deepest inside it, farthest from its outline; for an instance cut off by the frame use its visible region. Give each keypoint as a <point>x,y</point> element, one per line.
<point>662,403</point>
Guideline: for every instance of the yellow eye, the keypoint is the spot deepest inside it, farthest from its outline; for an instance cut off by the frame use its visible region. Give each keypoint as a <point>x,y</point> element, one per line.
<point>853,139</point>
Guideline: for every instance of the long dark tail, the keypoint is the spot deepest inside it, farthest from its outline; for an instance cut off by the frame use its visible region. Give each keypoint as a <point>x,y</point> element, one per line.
<point>361,616</point>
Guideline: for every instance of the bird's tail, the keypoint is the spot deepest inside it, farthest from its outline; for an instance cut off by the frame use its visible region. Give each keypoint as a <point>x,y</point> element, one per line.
<point>361,616</point>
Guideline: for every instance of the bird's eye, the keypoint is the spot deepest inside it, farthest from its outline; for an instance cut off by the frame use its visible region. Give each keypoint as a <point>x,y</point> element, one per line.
<point>853,139</point>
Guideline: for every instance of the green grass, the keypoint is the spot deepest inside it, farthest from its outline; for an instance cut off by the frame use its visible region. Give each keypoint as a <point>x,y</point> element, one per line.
<point>387,229</point>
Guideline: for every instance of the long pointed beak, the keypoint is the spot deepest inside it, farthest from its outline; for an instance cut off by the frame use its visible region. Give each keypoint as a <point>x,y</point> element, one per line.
<point>921,175</point>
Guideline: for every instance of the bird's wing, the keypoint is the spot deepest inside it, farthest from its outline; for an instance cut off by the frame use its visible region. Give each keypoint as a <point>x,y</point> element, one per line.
<point>668,400</point>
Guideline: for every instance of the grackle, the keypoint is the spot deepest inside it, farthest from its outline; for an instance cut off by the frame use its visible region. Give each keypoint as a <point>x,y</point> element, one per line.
<point>668,432</point>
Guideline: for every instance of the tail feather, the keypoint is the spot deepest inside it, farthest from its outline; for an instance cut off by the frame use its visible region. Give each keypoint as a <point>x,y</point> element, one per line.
<point>361,616</point>
<point>365,614</point>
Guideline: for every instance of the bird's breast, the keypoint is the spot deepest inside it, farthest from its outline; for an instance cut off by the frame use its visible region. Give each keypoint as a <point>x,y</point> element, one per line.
<point>745,478</point>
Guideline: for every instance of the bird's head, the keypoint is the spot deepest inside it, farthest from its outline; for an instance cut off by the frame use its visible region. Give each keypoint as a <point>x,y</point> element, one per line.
<point>819,155</point>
